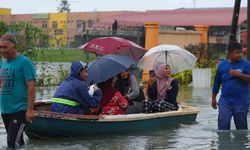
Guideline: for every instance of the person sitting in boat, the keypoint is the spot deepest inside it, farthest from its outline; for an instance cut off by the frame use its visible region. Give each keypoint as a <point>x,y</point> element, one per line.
<point>127,85</point>
<point>112,102</point>
<point>163,91</point>
<point>150,89</point>
<point>72,95</point>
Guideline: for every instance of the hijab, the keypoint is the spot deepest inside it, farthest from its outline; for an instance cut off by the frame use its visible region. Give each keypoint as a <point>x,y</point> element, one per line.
<point>163,82</point>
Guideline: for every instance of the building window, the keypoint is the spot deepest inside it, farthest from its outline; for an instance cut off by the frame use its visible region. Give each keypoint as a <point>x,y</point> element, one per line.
<point>44,24</point>
<point>80,25</point>
<point>58,32</point>
<point>90,23</point>
<point>54,24</point>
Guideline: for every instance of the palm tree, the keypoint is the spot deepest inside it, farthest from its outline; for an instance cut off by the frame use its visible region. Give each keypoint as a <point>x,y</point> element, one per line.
<point>64,6</point>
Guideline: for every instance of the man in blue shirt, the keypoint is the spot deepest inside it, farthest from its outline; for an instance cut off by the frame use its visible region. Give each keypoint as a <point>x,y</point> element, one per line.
<point>17,91</point>
<point>234,75</point>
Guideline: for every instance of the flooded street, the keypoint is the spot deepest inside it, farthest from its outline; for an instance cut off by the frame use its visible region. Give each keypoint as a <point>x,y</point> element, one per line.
<point>200,135</point>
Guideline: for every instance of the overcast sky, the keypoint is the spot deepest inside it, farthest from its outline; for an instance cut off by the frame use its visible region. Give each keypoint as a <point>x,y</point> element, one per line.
<point>44,6</point>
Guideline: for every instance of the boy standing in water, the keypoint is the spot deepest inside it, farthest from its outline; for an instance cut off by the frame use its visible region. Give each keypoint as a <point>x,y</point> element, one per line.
<point>234,76</point>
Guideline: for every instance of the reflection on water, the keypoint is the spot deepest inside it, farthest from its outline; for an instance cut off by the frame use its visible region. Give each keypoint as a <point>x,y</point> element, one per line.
<point>232,140</point>
<point>202,135</point>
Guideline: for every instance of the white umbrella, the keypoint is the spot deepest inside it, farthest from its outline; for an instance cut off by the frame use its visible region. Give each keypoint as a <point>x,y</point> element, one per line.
<point>178,58</point>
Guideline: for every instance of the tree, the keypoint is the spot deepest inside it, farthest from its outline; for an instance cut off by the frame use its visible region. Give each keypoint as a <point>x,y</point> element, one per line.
<point>3,28</point>
<point>64,6</point>
<point>199,50</point>
<point>28,35</point>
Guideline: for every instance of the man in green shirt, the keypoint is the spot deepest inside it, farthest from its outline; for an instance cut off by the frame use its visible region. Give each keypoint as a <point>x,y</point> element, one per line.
<point>17,91</point>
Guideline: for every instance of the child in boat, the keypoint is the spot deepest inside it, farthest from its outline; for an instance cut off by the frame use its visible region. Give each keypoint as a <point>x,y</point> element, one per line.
<point>112,102</point>
<point>72,95</point>
<point>150,89</point>
<point>162,92</point>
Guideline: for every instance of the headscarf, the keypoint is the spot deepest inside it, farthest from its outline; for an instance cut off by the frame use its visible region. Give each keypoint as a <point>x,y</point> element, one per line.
<point>163,82</point>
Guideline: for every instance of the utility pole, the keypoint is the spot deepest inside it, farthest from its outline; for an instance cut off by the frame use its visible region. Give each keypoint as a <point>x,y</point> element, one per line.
<point>248,30</point>
<point>234,25</point>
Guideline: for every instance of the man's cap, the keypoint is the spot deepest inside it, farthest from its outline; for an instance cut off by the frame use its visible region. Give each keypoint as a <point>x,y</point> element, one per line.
<point>9,37</point>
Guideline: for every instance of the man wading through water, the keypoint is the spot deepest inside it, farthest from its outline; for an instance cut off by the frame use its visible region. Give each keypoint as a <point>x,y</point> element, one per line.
<point>17,92</point>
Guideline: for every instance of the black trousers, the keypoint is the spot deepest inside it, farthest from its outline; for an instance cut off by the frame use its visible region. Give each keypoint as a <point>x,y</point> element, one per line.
<point>14,125</point>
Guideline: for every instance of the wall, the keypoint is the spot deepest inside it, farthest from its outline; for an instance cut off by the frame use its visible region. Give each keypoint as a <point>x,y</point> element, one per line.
<point>180,38</point>
<point>58,35</point>
<point>5,18</point>
<point>21,18</point>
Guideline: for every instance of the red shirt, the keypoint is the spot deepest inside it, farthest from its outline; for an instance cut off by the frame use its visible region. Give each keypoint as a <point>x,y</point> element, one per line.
<point>115,106</point>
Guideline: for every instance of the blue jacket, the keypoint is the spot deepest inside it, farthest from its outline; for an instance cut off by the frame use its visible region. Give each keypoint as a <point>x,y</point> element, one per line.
<point>75,89</point>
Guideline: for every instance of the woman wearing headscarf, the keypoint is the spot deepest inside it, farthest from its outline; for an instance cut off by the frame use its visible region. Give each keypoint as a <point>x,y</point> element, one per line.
<point>112,102</point>
<point>72,95</point>
<point>165,90</point>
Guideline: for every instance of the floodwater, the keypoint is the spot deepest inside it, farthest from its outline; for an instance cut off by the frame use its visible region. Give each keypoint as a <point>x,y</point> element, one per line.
<point>197,136</point>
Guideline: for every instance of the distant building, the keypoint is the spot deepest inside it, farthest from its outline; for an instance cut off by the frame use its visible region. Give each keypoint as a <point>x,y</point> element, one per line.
<point>63,28</point>
<point>5,11</point>
<point>217,19</point>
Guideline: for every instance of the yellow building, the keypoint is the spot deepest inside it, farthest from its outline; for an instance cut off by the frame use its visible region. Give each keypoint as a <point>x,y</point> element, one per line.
<point>58,30</point>
<point>5,11</point>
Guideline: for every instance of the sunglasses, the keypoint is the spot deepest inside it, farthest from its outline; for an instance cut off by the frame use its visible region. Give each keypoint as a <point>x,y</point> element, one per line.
<point>3,47</point>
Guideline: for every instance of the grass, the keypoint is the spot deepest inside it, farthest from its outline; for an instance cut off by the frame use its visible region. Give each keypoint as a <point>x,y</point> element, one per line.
<point>61,55</point>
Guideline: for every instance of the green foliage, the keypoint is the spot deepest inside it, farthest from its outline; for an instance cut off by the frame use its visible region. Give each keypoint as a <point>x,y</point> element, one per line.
<point>59,55</point>
<point>28,36</point>
<point>184,78</point>
<point>63,74</point>
<point>199,50</point>
<point>214,69</point>
<point>205,63</point>
<point>3,28</point>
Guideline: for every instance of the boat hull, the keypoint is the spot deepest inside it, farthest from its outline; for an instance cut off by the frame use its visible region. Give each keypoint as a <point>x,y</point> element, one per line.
<point>50,124</point>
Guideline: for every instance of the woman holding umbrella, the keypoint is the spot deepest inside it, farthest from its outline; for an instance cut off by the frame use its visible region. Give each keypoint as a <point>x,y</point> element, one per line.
<point>164,92</point>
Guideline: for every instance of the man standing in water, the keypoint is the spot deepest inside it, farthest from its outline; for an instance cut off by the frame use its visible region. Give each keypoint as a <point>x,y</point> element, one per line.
<point>17,91</point>
<point>234,76</point>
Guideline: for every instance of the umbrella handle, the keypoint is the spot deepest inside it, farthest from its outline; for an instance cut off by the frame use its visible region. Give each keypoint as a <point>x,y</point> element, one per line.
<point>166,56</point>
<point>87,57</point>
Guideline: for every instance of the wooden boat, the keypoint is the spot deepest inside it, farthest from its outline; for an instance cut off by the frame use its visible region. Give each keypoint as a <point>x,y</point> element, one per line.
<point>51,124</point>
